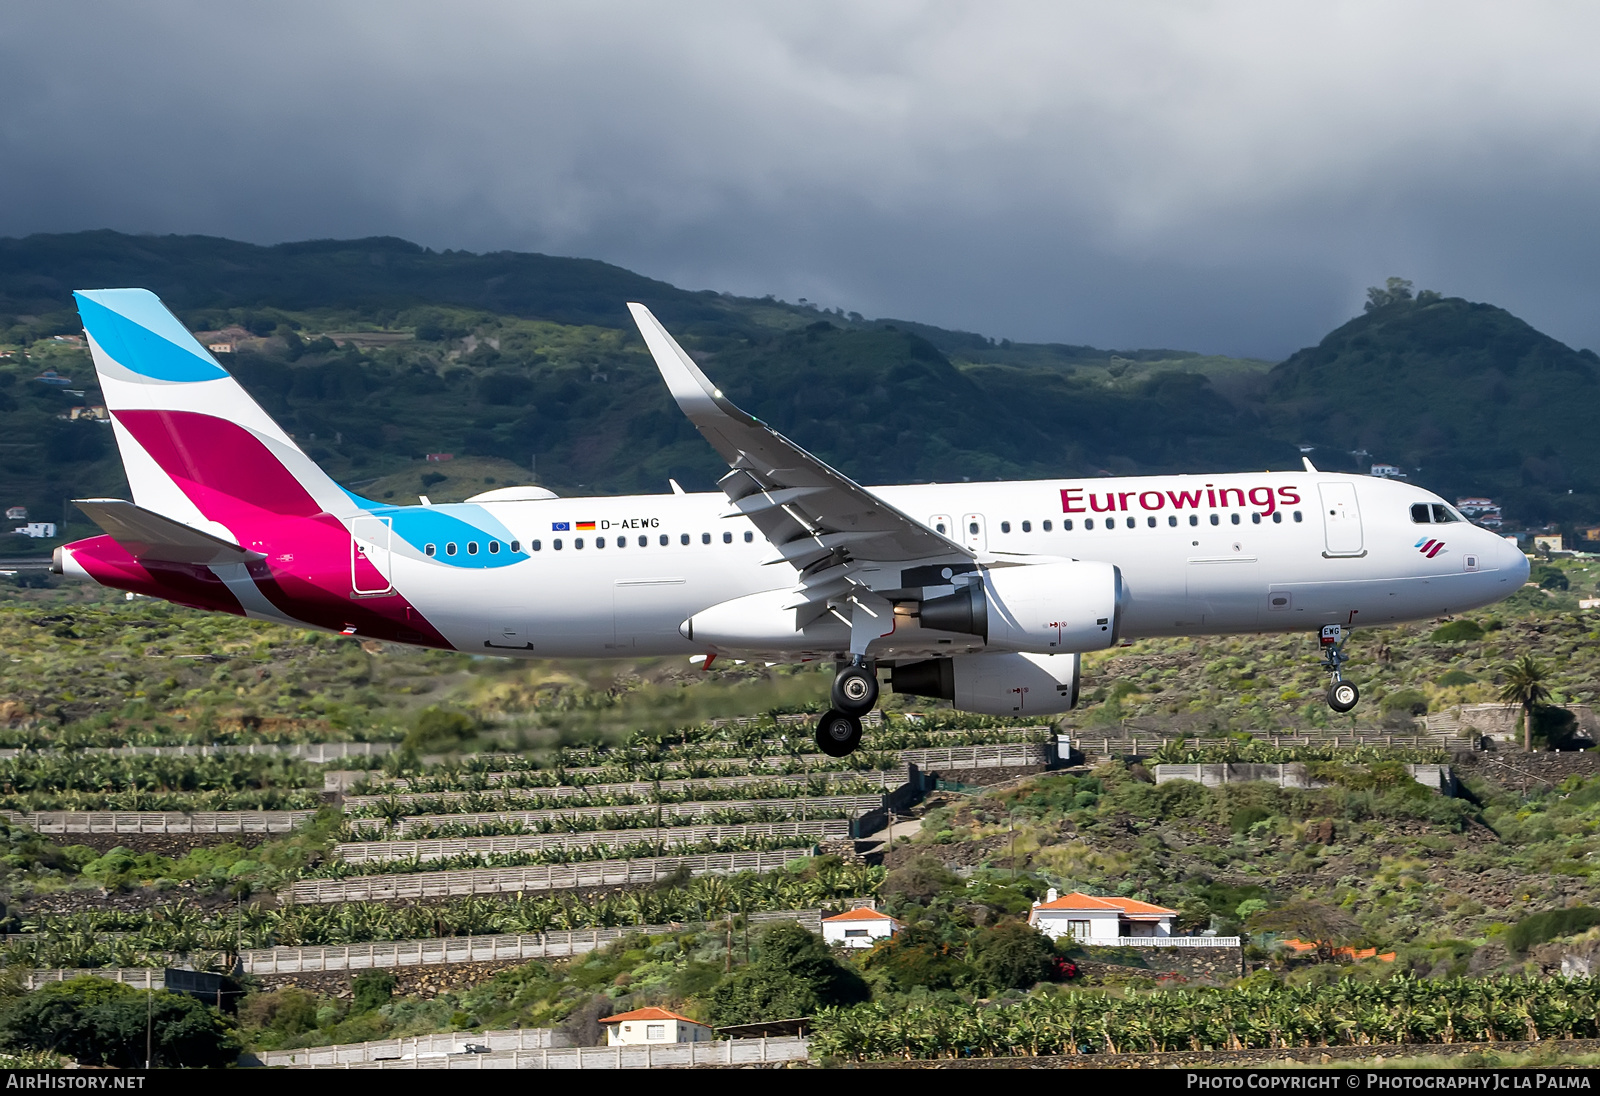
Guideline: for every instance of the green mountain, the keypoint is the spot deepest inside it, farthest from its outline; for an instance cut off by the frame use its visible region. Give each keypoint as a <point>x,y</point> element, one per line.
<point>1468,396</point>
<point>375,352</point>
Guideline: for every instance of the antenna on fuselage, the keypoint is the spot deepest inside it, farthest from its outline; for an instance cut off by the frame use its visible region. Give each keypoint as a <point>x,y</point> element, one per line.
<point>1307,462</point>
<point>676,490</point>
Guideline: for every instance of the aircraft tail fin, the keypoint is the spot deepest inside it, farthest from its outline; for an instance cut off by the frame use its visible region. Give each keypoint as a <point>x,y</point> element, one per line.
<point>196,448</point>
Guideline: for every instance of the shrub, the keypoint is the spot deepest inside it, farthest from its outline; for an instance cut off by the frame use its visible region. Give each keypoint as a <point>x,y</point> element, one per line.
<point>1012,955</point>
<point>1454,678</point>
<point>1245,817</point>
<point>372,989</point>
<point>1550,578</point>
<point>1458,631</point>
<point>1539,927</point>
<point>438,729</point>
<point>794,975</point>
<point>100,1022</point>
<point>1407,701</point>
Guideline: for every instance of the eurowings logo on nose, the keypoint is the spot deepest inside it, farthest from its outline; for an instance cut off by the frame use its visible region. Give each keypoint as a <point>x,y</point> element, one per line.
<point>1429,547</point>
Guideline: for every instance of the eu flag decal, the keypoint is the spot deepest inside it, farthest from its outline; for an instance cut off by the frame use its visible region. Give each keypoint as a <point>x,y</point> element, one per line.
<point>561,526</point>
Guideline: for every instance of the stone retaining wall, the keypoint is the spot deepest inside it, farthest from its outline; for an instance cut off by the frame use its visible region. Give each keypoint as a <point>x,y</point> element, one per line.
<point>1216,965</point>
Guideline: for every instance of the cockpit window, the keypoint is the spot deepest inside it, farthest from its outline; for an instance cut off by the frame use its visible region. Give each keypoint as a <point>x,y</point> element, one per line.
<point>1419,513</point>
<point>1443,513</point>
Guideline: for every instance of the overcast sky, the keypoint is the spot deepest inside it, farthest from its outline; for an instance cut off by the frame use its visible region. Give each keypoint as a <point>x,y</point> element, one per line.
<point>1225,177</point>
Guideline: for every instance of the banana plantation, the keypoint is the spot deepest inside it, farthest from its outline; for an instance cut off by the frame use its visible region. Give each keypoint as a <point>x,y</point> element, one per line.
<point>110,937</point>
<point>1264,1016</point>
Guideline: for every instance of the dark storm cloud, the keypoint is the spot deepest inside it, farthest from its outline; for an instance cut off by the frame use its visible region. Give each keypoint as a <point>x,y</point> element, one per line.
<point>1226,177</point>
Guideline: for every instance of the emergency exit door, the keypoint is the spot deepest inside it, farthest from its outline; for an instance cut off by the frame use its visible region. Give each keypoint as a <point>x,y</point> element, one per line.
<point>973,534</point>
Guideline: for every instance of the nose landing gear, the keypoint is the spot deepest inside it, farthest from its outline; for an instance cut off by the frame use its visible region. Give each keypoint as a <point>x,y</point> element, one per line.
<point>1342,695</point>
<point>838,733</point>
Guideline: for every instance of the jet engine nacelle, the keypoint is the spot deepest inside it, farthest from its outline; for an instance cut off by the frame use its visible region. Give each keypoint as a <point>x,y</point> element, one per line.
<point>1046,608</point>
<point>994,683</point>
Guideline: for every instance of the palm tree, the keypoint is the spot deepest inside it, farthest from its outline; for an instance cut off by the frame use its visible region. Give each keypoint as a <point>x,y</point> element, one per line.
<point>1525,686</point>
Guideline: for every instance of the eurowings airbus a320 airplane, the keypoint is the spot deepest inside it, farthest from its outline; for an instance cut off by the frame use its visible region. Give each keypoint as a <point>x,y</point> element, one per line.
<point>984,594</point>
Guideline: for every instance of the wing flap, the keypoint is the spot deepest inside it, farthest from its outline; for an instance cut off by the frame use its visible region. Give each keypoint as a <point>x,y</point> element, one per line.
<point>148,535</point>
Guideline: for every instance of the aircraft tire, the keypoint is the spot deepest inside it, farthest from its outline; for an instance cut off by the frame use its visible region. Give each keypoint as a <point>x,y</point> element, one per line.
<point>855,690</point>
<point>1343,695</point>
<point>838,733</point>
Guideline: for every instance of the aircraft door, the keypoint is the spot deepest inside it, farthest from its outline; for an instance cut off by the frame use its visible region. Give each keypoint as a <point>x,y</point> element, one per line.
<point>941,524</point>
<point>973,534</point>
<point>1341,519</point>
<point>370,561</point>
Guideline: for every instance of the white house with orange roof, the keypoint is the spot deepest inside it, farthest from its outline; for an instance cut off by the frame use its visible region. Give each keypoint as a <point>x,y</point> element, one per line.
<point>858,928</point>
<point>653,1025</point>
<point>1091,920</point>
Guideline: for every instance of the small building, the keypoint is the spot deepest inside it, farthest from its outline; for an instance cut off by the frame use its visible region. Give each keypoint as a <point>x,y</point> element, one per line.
<point>1090,920</point>
<point>220,347</point>
<point>54,379</point>
<point>653,1025</point>
<point>16,513</point>
<point>38,530</point>
<point>1550,542</point>
<point>1387,471</point>
<point>438,458</point>
<point>858,928</point>
<point>97,413</point>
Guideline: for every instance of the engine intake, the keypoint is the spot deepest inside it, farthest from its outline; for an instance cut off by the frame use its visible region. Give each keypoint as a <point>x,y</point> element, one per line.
<point>1048,608</point>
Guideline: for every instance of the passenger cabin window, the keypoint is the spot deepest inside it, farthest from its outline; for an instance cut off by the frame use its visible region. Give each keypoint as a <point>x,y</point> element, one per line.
<point>1215,520</point>
<point>428,549</point>
<point>472,547</point>
<point>1194,519</point>
<point>1066,524</point>
<point>599,542</point>
<point>705,538</point>
<point>1172,520</point>
<point>1150,522</point>
<point>1027,527</point>
<point>516,546</point>
<point>450,549</point>
<point>622,542</point>
<point>683,539</point>
<point>1234,518</point>
<point>1132,523</point>
<point>536,545</point>
<point>1277,517</point>
<point>1005,527</point>
<point>1047,526</point>
<point>494,547</point>
<point>664,540</point>
<point>727,538</point>
<point>1088,523</point>
<point>644,542</point>
<point>749,537</point>
<point>1297,516</point>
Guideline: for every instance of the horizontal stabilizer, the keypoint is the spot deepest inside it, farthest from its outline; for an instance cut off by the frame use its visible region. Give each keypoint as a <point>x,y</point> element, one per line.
<point>149,536</point>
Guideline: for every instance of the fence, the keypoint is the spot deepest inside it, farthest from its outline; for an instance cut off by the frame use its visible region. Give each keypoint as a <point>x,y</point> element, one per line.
<point>360,852</point>
<point>1143,744</point>
<point>471,949</point>
<point>535,877</point>
<point>450,1042</point>
<point>1003,756</point>
<point>137,977</point>
<point>724,1052</point>
<point>887,778</point>
<point>849,804</point>
<point>1174,942</point>
<point>316,753</point>
<point>1292,774</point>
<point>134,822</point>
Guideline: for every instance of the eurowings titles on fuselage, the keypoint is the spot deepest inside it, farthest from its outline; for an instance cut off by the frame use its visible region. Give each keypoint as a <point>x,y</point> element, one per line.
<point>982,593</point>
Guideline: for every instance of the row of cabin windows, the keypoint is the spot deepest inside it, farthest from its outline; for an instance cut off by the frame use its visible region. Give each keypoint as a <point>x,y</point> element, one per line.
<point>1133,523</point>
<point>577,542</point>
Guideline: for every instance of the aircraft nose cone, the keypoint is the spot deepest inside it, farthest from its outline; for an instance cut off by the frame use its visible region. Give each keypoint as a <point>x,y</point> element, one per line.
<point>1515,562</point>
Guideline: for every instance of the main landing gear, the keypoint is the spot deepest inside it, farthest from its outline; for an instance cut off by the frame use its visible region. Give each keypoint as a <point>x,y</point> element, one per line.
<point>855,691</point>
<point>1342,695</point>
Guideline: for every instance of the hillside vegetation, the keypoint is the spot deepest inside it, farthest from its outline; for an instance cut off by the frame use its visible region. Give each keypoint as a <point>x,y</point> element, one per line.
<point>375,352</point>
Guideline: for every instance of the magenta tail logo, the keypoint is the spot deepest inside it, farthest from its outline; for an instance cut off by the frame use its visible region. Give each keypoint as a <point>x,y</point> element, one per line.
<point>1429,548</point>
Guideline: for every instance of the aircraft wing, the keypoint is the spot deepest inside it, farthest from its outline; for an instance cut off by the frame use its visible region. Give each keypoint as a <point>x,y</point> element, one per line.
<point>150,536</point>
<point>816,517</point>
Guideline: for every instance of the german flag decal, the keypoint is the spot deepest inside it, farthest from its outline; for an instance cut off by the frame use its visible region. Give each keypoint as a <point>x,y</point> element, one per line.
<point>582,525</point>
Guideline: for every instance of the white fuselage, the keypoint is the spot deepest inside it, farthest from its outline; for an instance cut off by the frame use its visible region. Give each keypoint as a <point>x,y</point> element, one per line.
<point>1259,552</point>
